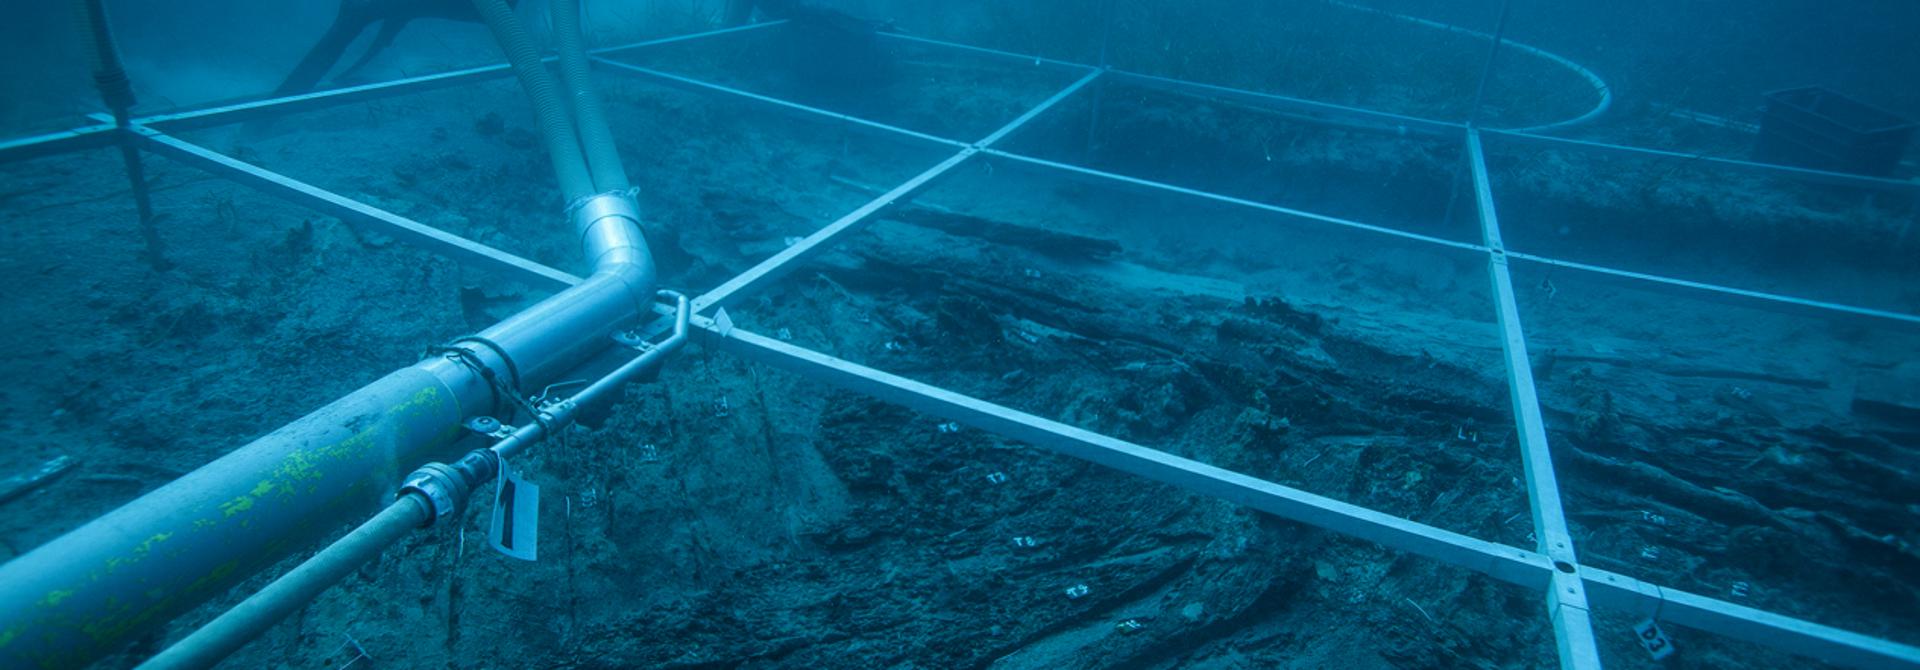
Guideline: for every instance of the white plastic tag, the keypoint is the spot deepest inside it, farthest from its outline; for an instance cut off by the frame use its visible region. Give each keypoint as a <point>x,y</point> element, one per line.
<point>515,530</point>
<point>1653,639</point>
<point>724,321</point>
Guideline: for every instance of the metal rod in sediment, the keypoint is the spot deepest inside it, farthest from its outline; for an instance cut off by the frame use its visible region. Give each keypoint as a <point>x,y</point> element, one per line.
<point>1493,54</point>
<point>1473,113</point>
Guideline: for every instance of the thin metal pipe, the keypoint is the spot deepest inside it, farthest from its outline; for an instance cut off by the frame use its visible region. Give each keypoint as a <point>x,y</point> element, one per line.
<point>1766,624</point>
<point>691,84</point>
<point>230,631</point>
<point>789,258</point>
<point>1325,113</point>
<point>233,629</point>
<point>1037,61</point>
<point>1508,564</point>
<point>1620,593</point>
<point>1094,106</point>
<point>1600,87</point>
<point>534,431</point>
<point>154,249</point>
<point>1733,296</point>
<point>233,113</point>
<point>765,272</point>
<point>676,39</point>
<point>1012,126</point>
<point>525,350</point>
<point>357,213</point>
<point>78,596</point>
<point>758,275</point>
<point>1473,112</point>
<point>1151,185</point>
<point>121,576</point>
<point>58,142</point>
<point>116,90</point>
<point>1566,596</point>
<point>1486,72</point>
<point>1783,171</point>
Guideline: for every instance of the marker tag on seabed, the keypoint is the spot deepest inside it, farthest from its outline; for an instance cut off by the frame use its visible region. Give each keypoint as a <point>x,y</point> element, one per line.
<point>1653,639</point>
<point>515,530</point>
<point>724,322</point>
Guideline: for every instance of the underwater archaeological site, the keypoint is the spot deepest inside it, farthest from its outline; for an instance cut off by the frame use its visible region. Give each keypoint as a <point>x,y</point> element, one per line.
<point>979,334</point>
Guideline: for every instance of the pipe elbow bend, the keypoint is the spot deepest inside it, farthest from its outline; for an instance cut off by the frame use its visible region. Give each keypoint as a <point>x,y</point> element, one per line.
<point>612,241</point>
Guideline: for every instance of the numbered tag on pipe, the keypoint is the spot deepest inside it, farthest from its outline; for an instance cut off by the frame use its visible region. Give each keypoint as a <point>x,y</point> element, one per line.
<point>1653,639</point>
<point>515,530</point>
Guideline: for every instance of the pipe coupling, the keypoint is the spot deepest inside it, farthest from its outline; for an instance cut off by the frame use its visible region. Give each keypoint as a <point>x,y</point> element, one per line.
<point>609,227</point>
<point>446,488</point>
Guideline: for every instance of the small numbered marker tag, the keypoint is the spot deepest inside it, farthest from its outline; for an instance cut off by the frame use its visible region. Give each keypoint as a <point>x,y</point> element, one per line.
<point>515,530</point>
<point>1653,639</point>
<point>724,321</point>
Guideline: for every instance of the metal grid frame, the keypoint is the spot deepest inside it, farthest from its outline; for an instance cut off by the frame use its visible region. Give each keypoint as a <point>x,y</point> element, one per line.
<point>1569,588</point>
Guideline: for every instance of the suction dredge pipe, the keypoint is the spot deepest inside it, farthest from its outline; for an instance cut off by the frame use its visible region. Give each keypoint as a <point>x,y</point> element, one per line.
<point>433,493</point>
<point>126,573</point>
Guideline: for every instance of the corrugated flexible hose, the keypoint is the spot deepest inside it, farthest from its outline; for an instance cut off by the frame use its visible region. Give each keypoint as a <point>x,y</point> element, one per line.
<point>556,124</point>
<point>596,137</point>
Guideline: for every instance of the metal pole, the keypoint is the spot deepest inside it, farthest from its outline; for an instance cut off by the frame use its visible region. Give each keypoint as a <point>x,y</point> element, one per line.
<point>117,91</point>
<point>1473,112</point>
<point>1099,91</point>
<point>246,621</point>
<point>1486,72</point>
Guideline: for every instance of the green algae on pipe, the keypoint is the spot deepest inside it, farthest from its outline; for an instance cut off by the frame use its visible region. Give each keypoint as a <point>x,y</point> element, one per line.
<point>121,576</point>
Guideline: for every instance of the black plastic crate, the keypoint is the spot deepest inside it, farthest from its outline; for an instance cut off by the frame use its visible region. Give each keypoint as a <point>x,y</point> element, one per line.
<point>1818,128</point>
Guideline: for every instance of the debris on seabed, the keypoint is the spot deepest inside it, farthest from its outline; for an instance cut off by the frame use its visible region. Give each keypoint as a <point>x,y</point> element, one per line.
<point>1078,591</point>
<point>22,484</point>
<point>996,478</point>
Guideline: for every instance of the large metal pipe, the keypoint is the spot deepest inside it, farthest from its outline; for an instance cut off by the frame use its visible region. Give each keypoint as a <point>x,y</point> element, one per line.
<point>123,575</point>
<point>437,491</point>
<point>82,595</point>
<point>295,589</point>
